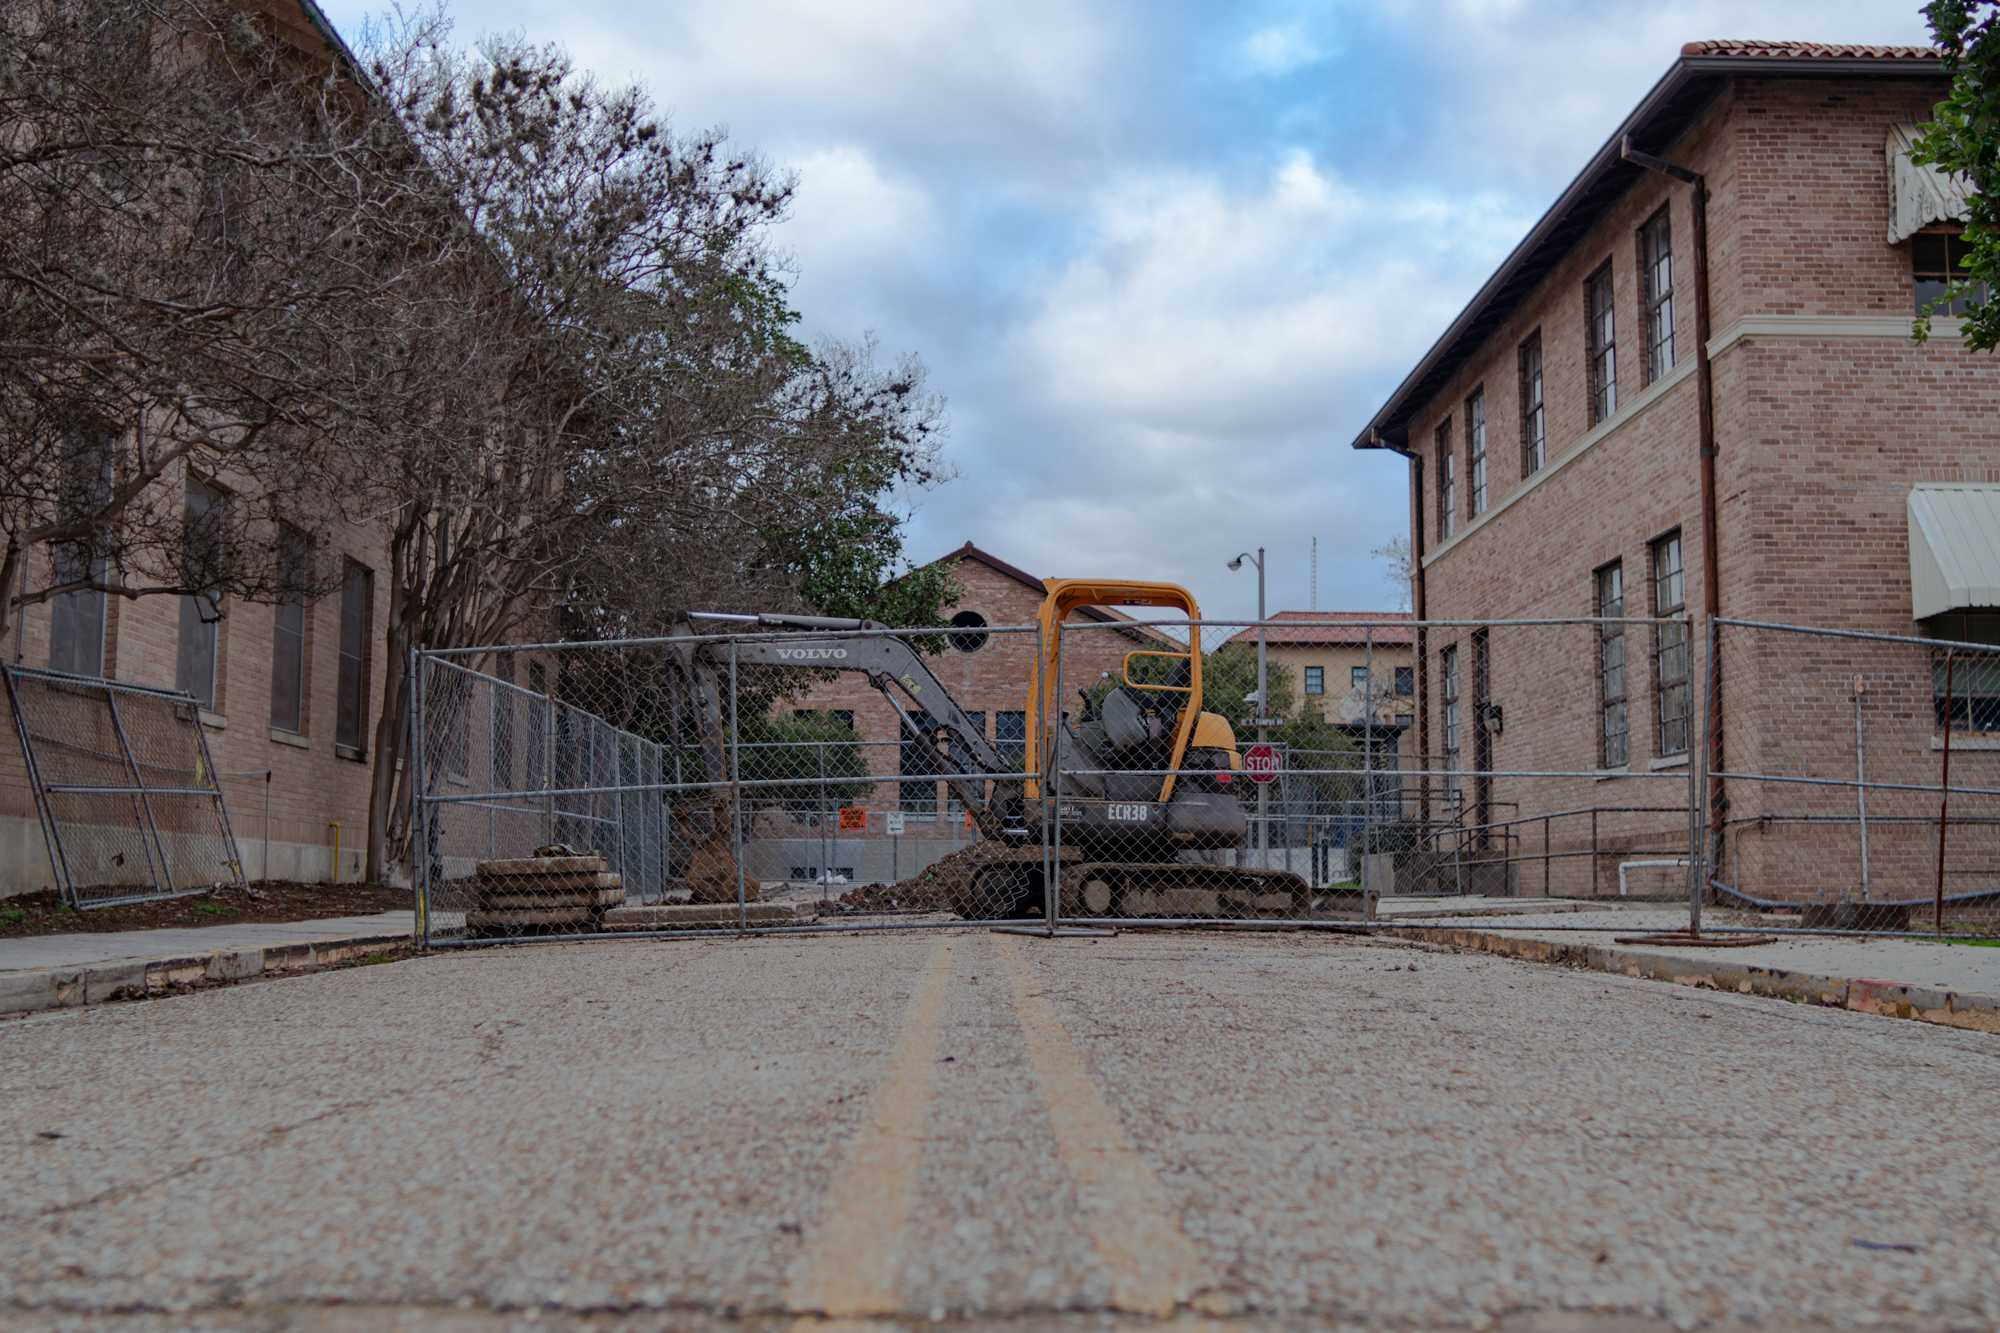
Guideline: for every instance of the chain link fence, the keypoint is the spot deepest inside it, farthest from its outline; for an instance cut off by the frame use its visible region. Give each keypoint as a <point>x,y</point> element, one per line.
<point>1858,782</point>
<point>805,774</point>
<point>124,788</point>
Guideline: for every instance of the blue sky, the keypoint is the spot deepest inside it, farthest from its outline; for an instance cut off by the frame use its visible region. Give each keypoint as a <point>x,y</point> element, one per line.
<point>1163,259</point>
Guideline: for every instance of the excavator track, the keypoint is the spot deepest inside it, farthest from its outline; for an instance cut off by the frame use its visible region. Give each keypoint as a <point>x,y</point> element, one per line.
<point>1180,889</point>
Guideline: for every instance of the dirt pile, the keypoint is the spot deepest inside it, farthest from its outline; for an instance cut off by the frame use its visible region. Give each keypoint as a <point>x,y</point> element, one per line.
<point>933,889</point>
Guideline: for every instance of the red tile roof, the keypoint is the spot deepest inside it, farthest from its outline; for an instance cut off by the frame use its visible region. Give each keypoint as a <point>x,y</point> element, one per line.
<point>1807,51</point>
<point>1290,628</point>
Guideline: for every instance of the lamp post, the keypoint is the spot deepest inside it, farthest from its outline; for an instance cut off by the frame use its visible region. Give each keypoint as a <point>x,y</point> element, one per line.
<point>1263,707</point>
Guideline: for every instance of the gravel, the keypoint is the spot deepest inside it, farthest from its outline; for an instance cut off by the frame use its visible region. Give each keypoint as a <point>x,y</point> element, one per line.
<point>1347,1131</point>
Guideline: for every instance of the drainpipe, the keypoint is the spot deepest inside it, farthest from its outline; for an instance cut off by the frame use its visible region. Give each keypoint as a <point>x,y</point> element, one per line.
<point>1711,563</point>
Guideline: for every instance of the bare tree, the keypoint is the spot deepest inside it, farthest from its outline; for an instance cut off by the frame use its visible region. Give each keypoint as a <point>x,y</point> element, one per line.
<point>192,242</point>
<point>632,422</point>
<point>1395,557</point>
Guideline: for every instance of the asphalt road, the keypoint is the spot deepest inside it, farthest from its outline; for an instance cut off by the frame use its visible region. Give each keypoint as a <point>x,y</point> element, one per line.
<point>1228,1130</point>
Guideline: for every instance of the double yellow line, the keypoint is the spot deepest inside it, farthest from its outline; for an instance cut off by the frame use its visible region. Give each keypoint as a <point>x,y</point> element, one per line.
<point>850,1266</point>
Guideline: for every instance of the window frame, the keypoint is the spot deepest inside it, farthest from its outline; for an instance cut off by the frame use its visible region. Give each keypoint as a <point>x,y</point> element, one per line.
<point>1955,253</point>
<point>294,553</point>
<point>1405,680</point>
<point>1448,721</point>
<point>1656,304</point>
<point>1673,689</point>
<point>1600,325</point>
<point>1315,680</point>
<point>198,642</point>
<point>911,785</point>
<point>1534,406</point>
<point>1475,451</point>
<point>1607,595</point>
<point>356,649</point>
<point>79,620</point>
<point>1357,678</point>
<point>1447,484</point>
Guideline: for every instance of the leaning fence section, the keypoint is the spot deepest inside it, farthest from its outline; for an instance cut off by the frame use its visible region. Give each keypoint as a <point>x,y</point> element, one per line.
<point>1855,778</point>
<point>124,788</point>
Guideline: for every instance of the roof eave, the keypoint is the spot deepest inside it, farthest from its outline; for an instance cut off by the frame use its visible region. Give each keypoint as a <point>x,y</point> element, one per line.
<point>1382,429</point>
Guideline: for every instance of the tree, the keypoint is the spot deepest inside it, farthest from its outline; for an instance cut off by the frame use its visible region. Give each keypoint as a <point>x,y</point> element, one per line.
<point>621,425</point>
<point>193,239</point>
<point>1395,557</point>
<point>1963,138</point>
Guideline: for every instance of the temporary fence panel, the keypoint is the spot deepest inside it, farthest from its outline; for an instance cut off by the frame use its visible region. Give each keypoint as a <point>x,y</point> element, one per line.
<point>1484,759</point>
<point>125,789</point>
<point>1858,778</point>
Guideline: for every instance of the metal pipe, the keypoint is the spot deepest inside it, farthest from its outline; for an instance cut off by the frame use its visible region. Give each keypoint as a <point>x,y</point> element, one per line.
<point>1861,782</point>
<point>334,824</point>
<point>1624,885</point>
<point>1944,796</point>
<point>736,794</point>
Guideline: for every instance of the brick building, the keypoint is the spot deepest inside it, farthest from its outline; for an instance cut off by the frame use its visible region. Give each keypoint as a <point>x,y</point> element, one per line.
<point>1329,657</point>
<point>289,695</point>
<point>986,666</point>
<point>1656,407</point>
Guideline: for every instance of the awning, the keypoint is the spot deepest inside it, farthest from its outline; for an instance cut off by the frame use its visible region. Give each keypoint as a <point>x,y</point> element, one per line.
<point>1954,548</point>
<point>1919,195</point>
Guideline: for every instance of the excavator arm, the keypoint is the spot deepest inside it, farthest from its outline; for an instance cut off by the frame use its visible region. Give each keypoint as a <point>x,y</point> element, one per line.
<point>892,666</point>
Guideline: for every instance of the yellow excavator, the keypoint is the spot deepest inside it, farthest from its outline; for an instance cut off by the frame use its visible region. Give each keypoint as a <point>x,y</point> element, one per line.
<point>1127,802</point>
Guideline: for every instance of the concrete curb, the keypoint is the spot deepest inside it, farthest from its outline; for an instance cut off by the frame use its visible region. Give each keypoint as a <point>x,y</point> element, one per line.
<point>139,978</point>
<point>1889,999</point>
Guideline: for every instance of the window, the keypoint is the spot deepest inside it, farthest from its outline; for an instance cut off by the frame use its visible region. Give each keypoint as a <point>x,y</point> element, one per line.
<point>1447,484</point>
<point>357,613</point>
<point>1315,680</point>
<point>1357,677</point>
<point>844,716</point>
<point>1613,748</point>
<point>1448,698</point>
<point>918,758</point>
<point>76,618</point>
<point>1475,449</point>
<point>1406,680</point>
<point>1670,646</point>
<point>202,556</point>
<point>1600,328</point>
<point>288,633</point>
<point>1937,259</point>
<point>971,636</point>
<point>1534,413</point>
<point>1656,293</point>
<point>1010,738</point>
<point>1974,700</point>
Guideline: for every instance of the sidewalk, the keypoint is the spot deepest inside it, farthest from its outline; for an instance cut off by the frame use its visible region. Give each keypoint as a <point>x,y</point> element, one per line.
<point>56,971</point>
<point>1957,985</point>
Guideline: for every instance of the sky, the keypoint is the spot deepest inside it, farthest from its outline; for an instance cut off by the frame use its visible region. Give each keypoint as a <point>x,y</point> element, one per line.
<point>1163,260</point>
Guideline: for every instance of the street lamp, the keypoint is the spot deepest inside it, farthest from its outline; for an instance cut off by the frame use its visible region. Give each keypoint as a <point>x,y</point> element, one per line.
<point>1263,708</point>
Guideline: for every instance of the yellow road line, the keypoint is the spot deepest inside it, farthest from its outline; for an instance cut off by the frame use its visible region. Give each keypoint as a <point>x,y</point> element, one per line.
<point>1153,1266</point>
<point>849,1266</point>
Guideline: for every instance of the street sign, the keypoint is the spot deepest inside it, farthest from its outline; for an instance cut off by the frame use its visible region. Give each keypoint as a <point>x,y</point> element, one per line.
<point>1260,761</point>
<point>853,819</point>
<point>895,821</point>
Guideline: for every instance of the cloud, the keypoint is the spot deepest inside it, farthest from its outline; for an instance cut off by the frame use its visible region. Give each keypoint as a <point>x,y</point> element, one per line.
<point>1280,50</point>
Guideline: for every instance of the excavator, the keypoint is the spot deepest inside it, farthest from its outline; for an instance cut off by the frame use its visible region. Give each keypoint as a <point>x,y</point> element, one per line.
<point>1123,809</point>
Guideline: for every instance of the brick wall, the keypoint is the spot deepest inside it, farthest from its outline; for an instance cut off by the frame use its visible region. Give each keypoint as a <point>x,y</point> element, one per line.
<point>1819,440</point>
<point>311,788</point>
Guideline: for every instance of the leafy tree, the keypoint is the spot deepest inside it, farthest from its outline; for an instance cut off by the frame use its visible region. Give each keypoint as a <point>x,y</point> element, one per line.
<point>1963,138</point>
<point>804,745</point>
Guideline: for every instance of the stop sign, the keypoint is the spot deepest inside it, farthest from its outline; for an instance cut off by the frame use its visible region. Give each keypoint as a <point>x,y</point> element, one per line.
<point>1260,761</point>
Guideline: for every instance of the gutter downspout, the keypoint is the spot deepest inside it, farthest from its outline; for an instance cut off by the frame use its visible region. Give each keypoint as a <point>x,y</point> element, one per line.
<point>1711,563</point>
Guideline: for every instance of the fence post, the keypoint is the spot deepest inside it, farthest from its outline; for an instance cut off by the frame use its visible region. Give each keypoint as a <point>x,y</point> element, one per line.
<point>1861,782</point>
<point>1696,767</point>
<point>1367,778</point>
<point>420,885</point>
<point>1700,850</point>
<point>1944,791</point>
<point>736,794</point>
<point>1052,827</point>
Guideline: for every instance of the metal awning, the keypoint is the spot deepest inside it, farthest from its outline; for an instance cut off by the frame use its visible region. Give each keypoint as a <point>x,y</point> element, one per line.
<point>1954,548</point>
<point>1919,195</point>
